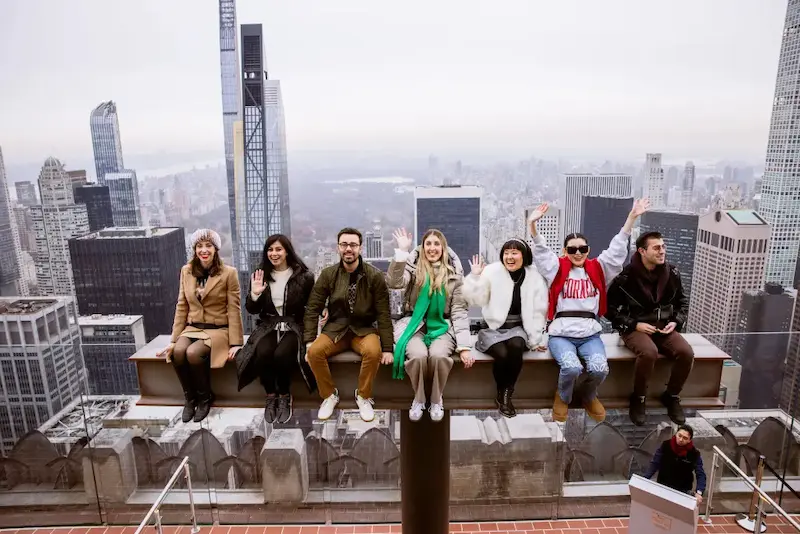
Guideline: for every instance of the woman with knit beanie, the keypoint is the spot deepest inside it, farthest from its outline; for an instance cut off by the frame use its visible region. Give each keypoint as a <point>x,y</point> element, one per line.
<point>207,331</point>
<point>435,322</point>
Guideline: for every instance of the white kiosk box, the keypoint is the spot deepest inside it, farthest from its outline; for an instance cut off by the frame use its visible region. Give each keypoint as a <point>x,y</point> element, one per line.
<point>657,509</point>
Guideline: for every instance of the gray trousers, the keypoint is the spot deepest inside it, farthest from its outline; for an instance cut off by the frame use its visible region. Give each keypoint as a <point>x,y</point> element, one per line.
<point>431,364</point>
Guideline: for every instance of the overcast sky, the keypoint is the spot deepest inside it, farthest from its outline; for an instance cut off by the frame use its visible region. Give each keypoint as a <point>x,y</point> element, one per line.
<point>610,78</point>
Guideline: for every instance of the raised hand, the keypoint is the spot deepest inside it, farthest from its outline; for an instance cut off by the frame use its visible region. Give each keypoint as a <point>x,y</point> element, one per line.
<point>257,283</point>
<point>403,239</point>
<point>476,265</point>
<point>538,213</point>
<point>640,206</point>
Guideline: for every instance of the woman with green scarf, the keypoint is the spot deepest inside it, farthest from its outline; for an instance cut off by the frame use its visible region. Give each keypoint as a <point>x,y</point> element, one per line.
<point>435,322</point>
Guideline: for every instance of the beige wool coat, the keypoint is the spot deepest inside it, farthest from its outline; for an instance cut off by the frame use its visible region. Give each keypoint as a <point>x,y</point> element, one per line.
<point>219,304</point>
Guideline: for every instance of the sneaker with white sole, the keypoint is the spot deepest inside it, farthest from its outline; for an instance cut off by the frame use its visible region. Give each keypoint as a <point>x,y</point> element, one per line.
<point>437,411</point>
<point>416,411</point>
<point>365,408</point>
<point>327,406</point>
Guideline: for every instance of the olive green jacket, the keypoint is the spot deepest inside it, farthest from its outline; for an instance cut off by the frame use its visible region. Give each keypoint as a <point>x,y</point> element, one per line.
<point>371,306</point>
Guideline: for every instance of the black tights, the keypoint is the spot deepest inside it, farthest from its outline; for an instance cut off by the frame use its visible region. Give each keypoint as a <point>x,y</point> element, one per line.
<point>275,361</point>
<point>192,363</point>
<point>191,351</point>
<point>507,361</point>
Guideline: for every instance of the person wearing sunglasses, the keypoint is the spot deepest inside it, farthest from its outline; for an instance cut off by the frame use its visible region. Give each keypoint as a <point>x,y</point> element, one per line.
<point>513,300</point>
<point>578,288</point>
<point>358,319</point>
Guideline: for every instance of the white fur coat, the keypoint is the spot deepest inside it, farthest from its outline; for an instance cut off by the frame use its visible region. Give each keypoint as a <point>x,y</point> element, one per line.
<point>493,290</point>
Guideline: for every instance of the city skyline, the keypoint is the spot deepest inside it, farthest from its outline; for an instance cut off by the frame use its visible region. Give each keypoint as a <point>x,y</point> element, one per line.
<point>413,108</point>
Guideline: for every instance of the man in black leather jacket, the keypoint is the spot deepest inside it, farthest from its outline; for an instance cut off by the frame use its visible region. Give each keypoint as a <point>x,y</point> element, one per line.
<point>648,307</point>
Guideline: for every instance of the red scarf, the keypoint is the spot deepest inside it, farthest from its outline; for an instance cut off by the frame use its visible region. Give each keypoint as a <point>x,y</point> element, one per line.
<point>680,450</point>
<point>595,273</point>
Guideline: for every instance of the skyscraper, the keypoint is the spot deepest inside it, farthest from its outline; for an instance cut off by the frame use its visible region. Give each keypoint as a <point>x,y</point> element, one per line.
<point>26,193</point>
<point>654,180</point>
<point>55,222</point>
<point>780,203</point>
<point>77,178</point>
<point>548,226</point>
<point>12,283</point>
<point>123,188</point>
<point>687,187</point>
<point>108,341</point>
<point>231,103</point>
<point>680,236</point>
<point>730,259</point>
<point>27,238</point>
<point>263,197</point>
<point>373,243</point>
<point>40,363</point>
<point>602,219</point>
<point>764,322</point>
<point>456,211</point>
<point>106,140</point>
<point>577,186</point>
<point>132,271</point>
<point>97,200</point>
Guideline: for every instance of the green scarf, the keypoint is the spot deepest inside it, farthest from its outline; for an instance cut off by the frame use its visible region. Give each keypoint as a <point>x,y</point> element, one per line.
<point>431,307</point>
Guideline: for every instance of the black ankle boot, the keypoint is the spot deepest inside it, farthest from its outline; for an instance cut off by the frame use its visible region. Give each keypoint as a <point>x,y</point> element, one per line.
<point>504,404</point>
<point>674,408</point>
<point>185,377</point>
<point>205,397</point>
<point>637,411</point>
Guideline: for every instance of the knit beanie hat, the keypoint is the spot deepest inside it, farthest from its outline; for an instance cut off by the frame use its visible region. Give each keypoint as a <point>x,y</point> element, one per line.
<point>206,234</point>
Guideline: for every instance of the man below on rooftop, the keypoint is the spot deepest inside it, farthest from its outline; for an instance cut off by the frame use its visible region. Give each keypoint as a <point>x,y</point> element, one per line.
<point>358,319</point>
<point>647,306</point>
<point>678,463</point>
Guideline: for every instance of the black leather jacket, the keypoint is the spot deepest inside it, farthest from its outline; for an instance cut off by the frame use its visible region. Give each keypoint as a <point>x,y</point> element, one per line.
<point>629,304</point>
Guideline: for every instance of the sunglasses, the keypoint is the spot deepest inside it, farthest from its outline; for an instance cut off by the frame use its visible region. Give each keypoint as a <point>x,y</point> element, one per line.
<point>583,249</point>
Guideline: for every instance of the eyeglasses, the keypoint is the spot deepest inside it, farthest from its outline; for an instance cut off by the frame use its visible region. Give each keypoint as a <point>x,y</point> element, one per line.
<point>345,246</point>
<point>583,249</point>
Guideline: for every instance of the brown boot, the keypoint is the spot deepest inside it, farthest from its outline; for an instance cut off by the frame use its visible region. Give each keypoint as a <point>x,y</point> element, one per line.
<point>594,408</point>
<point>560,409</point>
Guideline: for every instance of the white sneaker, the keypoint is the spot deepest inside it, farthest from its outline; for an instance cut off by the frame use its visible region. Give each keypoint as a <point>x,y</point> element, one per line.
<point>416,410</point>
<point>327,406</point>
<point>365,408</point>
<point>436,411</point>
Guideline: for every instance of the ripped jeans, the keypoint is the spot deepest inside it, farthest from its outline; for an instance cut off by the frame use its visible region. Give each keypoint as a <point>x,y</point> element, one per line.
<point>569,352</point>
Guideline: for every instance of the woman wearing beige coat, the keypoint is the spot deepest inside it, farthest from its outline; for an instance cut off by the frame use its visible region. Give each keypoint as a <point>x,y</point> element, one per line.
<point>207,330</point>
<point>435,323</point>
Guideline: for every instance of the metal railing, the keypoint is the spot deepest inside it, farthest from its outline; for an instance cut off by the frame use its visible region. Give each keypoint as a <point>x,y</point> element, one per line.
<point>183,468</point>
<point>759,496</point>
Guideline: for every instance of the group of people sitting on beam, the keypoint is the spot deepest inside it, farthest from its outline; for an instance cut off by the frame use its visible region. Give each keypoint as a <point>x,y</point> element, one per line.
<point>530,299</point>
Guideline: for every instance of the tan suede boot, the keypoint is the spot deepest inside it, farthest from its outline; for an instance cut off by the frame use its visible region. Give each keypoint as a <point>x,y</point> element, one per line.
<point>560,409</point>
<point>595,410</point>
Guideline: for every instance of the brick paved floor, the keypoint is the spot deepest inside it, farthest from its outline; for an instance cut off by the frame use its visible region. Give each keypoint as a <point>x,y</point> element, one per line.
<point>720,525</point>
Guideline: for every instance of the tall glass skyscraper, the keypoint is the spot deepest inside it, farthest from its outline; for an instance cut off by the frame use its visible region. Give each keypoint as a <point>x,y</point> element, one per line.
<point>106,140</point>
<point>124,190</point>
<point>780,202</point>
<point>12,282</point>
<point>263,194</point>
<point>456,211</point>
<point>231,103</point>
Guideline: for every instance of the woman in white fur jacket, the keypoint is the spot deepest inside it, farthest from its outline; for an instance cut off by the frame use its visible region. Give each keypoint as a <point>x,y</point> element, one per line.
<point>513,297</point>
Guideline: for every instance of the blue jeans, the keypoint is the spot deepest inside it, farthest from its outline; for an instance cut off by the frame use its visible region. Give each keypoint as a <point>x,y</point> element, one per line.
<point>568,352</point>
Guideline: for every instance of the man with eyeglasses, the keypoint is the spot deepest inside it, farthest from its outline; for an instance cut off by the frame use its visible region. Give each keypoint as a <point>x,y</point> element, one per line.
<point>648,307</point>
<point>358,300</point>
